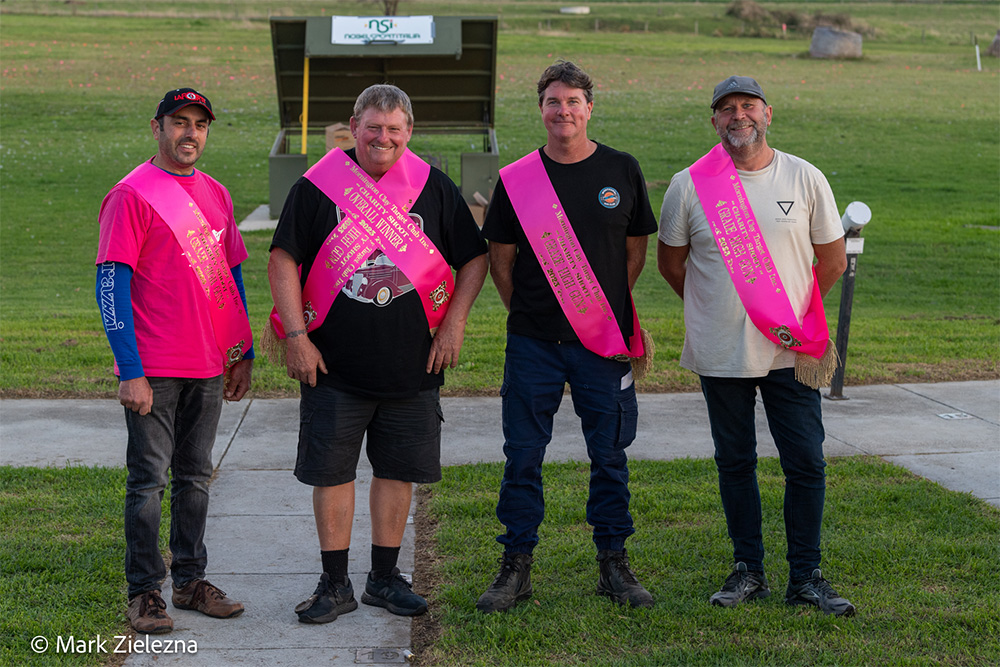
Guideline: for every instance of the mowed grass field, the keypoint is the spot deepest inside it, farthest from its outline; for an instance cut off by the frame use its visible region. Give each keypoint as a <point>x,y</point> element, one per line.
<point>913,557</point>
<point>910,129</point>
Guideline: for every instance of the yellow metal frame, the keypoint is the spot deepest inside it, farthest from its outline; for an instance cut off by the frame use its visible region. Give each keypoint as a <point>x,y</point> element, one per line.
<point>305,103</point>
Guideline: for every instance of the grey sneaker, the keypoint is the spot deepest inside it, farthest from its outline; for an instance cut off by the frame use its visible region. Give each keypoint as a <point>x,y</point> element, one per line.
<point>393,593</point>
<point>618,581</point>
<point>330,600</point>
<point>741,586</point>
<point>511,585</point>
<point>818,592</point>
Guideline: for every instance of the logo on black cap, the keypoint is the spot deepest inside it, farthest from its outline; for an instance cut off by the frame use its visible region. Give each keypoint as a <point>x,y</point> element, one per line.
<point>175,100</point>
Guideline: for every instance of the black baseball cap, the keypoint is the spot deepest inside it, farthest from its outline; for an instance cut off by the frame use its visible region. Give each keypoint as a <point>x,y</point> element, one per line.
<point>738,84</point>
<point>175,100</point>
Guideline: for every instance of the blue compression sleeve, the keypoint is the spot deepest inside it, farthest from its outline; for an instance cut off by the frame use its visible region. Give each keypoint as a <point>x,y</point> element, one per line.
<point>114,298</point>
<point>238,278</point>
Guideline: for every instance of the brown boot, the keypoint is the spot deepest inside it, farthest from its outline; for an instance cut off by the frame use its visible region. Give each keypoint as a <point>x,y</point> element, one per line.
<point>206,598</point>
<point>147,613</point>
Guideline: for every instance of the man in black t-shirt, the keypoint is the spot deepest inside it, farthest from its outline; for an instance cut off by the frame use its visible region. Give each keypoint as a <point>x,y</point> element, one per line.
<point>603,195</point>
<point>372,367</point>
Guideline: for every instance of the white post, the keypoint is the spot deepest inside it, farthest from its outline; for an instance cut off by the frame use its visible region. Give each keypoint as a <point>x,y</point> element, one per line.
<point>979,62</point>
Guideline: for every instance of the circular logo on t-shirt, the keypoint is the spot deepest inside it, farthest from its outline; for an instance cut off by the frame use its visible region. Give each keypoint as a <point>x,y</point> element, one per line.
<point>609,197</point>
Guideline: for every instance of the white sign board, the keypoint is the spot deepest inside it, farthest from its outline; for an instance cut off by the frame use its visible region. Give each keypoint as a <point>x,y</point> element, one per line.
<point>375,29</point>
<point>855,246</point>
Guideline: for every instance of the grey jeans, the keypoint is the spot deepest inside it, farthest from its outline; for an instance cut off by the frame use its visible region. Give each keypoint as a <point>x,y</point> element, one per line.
<point>171,443</point>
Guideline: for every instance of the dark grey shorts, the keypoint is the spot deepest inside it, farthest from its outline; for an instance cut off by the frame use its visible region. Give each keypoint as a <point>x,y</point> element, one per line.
<point>403,436</point>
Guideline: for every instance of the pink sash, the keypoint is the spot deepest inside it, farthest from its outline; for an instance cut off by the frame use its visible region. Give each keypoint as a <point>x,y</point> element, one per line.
<point>200,244</point>
<point>375,217</point>
<point>750,266</point>
<point>562,259</point>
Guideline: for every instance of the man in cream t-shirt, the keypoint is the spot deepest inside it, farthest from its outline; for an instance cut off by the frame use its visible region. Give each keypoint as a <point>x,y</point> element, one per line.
<point>797,216</point>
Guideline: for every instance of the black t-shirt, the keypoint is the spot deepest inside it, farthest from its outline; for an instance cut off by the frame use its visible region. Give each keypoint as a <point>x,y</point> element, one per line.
<point>375,339</point>
<point>605,200</point>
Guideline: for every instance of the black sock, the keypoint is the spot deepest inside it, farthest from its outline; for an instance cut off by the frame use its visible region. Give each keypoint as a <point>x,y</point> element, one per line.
<point>335,563</point>
<point>383,561</point>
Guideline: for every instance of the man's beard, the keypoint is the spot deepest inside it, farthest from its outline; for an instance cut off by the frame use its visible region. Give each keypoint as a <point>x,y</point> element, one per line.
<point>748,141</point>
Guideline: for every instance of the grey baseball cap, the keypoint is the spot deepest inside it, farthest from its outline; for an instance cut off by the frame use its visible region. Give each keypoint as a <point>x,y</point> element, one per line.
<point>737,84</point>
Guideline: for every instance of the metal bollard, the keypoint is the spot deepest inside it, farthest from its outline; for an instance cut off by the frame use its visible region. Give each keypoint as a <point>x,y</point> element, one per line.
<point>856,216</point>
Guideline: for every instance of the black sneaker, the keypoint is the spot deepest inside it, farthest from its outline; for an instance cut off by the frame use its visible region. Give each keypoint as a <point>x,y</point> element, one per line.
<point>818,592</point>
<point>741,586</point>
<point>511,585</point>
<point>393,593</point>
<point>618,581</point>
<point>329,601</point>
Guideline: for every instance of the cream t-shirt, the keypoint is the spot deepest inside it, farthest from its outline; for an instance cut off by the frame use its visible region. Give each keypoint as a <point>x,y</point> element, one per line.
<point>795,208</point>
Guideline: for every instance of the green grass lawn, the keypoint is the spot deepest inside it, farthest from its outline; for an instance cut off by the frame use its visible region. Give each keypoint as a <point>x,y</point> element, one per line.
<point>919,562</point>
<point>910,129</point>
<point>61,560</point>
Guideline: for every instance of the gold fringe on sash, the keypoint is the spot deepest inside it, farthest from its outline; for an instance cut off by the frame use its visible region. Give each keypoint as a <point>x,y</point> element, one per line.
<point>274,348</point>
<point>814,372</point>
<point>642,365</point>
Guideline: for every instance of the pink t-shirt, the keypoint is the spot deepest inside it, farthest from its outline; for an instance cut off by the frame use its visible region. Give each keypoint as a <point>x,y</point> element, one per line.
<point>173,329</point>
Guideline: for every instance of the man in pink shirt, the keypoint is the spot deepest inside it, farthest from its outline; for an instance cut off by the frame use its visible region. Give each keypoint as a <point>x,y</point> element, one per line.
<point>170,291</point>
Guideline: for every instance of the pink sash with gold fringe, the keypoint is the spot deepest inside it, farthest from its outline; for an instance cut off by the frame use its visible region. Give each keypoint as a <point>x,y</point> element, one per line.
<point>206,254</point>
<point>375,217</point>
<point>748,261</point>
<point>566,268</point>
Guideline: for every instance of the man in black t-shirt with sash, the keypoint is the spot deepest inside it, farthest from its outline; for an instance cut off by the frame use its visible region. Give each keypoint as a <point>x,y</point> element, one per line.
<point>368,328</point>
<point>568,227</point>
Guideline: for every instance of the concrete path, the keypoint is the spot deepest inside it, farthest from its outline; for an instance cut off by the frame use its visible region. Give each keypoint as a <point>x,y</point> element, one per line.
<point>262,540</point>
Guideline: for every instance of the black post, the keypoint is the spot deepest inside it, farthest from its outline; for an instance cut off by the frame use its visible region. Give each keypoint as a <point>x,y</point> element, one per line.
<point>844,320</point>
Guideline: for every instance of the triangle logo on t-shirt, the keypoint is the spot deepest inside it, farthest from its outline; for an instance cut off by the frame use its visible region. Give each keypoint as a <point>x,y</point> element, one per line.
<point>785,206</point>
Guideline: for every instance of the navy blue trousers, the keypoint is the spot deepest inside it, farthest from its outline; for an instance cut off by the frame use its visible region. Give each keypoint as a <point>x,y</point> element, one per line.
<point>603,394</point>
<point>794,417</point>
